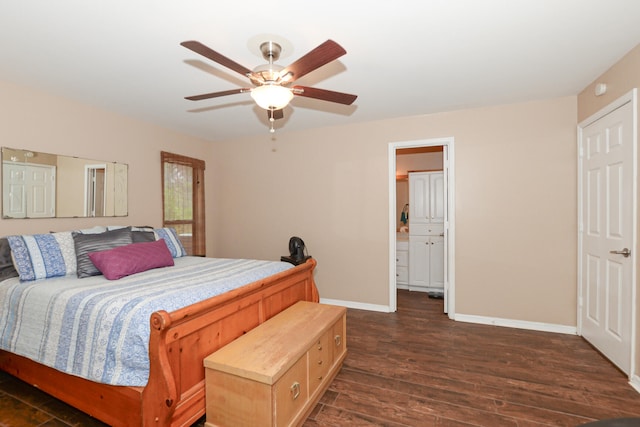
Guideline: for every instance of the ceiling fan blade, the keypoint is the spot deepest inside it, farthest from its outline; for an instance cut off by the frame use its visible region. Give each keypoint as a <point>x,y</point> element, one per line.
<point>217,94</point>
<point>275,114</point>
<point>321,55</point>
<point>207,52</point>
<point>325,95</point>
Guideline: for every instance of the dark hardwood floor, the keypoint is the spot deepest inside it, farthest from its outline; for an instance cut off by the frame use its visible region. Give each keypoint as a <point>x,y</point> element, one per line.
<point>417,368</point>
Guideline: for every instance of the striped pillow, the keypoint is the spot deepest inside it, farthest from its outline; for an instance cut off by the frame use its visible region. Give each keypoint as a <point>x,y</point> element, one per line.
<point>171,239</point>
<point>40,256</point>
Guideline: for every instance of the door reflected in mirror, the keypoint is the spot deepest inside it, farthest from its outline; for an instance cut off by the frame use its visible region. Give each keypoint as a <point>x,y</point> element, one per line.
<point>43,185</point>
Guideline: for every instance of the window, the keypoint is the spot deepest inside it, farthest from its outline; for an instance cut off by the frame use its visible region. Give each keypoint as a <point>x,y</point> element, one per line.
<point>183,200</point>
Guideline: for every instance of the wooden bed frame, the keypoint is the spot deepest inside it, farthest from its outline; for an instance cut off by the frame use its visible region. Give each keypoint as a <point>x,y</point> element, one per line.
<point>179,341</point>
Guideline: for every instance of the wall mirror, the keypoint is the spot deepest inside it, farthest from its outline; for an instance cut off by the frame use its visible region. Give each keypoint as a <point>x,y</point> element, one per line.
<point>42,185</point>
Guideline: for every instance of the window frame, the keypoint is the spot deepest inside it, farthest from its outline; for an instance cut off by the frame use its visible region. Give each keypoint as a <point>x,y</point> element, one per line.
<point>198,247</point>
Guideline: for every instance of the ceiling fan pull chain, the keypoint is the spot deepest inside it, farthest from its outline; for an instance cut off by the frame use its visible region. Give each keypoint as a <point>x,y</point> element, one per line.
<point>271,122</point>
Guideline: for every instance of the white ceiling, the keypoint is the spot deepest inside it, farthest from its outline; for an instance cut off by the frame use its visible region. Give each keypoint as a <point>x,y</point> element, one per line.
<point>403,58</point>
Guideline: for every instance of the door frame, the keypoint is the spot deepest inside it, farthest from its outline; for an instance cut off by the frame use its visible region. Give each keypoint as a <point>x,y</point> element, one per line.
<point>631,97</point>
<point>89,180</point>
<point>449,224</point>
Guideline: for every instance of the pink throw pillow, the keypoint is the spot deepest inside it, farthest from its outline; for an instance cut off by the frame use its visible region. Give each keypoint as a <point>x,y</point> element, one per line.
<point>134,258</point>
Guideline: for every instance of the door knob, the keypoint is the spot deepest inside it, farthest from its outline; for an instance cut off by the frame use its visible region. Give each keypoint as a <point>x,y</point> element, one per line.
<point>625,252</point>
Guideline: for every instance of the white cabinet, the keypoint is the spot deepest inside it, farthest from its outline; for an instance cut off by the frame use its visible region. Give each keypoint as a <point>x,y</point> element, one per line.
<point>426,263</point>
<point>426,231</point>
<point>402,264</point>
<point>426,199</point>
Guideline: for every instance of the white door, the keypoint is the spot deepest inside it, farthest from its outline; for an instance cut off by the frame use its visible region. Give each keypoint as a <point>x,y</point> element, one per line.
<point>419,211</point>
<point>445,230</point>
<point>436,197</point>
<point>29,191</point>
<point>418,263</point>
<point>14,190</point>
<point>39,184</point>
<point>607,149</point>
<point>436,262</point>
<point>41,191</point>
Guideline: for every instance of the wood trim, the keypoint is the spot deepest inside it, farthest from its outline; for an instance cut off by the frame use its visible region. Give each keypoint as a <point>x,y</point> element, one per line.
<point>199,209</point>
<point>198,243</point>
<point>424,170</point>
<point>167,157</point>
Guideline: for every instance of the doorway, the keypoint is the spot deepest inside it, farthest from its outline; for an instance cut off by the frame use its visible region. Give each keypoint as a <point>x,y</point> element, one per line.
<point>95,190</point>
<point>447,145</point>
<point>607,221</point>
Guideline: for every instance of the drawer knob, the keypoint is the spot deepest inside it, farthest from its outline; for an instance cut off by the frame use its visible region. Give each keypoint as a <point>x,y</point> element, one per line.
<point>295,390</point>
<point>338,340</point>
<point>319,346</point>
<point>319,362</point>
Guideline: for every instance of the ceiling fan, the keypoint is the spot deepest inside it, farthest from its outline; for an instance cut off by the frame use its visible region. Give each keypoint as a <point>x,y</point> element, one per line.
<point>272,88</point>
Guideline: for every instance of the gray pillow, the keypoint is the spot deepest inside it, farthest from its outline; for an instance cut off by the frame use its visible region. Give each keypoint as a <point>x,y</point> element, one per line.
<point>85,243</point>
<point>7,269</point>
<point>143,236</point>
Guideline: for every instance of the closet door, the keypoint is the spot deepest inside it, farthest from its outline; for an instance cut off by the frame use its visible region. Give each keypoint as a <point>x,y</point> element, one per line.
<point>29,191</point>
<point>42,190</point>
<point>14,189</point>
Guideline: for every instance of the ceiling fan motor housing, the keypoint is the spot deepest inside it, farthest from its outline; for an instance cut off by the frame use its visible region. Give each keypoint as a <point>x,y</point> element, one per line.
<point>270,51</point>
<point>266,73</point>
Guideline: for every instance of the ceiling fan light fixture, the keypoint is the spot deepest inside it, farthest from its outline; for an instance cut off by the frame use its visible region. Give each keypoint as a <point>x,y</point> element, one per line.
<point>271,96</point>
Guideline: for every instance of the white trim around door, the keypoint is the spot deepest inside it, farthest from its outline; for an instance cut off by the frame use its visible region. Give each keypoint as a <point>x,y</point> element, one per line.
<point>449,222</point>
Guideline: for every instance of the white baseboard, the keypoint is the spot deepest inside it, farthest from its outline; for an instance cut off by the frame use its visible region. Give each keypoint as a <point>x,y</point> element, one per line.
<point>356,305</point>
<point>509,323</point>
<point>519,324</point>
<point>635,382</point>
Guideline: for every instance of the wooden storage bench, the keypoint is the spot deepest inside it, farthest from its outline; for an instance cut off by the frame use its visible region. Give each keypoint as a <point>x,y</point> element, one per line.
<point>275,374</point>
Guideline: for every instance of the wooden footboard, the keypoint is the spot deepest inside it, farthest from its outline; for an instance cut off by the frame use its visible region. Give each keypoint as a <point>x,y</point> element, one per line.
<point>179,341</point>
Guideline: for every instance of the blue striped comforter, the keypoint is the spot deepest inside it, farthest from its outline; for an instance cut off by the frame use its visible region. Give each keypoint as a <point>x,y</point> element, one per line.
<point>99,329</point>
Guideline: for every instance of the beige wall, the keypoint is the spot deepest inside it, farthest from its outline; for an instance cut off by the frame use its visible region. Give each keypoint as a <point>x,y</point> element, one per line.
<point>516,186</point>
<point>38,121</point>
<point>515,191</point>
<point>622,77</point>
<point>515,198</point>
<point>418,162</point>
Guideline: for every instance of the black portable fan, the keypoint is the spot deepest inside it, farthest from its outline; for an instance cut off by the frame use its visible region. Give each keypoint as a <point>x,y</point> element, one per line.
<point>297,251</point>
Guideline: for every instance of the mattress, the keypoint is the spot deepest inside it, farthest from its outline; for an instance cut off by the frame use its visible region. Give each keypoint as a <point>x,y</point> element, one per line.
<point>99,329</point>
